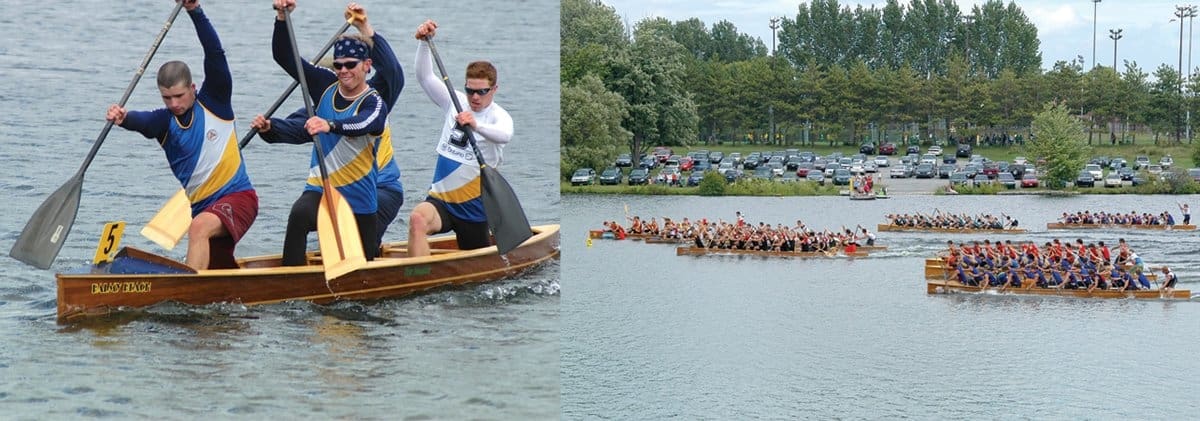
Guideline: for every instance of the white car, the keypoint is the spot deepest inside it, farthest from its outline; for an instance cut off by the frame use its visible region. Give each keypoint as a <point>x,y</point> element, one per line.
<point>935,150</point>
<point>928,159</point>
<point>1166,161</point>
<point>1097,173</point>
<point>857,168</point>
<point>1020,160</point>
<point>1113,180</point>
<point>881,161</point>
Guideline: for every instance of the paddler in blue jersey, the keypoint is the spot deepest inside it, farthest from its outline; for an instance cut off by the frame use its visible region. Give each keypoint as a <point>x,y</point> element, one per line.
<point>197,134</point>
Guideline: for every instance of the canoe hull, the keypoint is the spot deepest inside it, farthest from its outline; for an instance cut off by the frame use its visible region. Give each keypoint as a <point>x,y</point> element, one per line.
<point>1062,226</point>
<point>897,228</point>
<point>262,281</point>
<point>699,251</point>
<point>949,287</point>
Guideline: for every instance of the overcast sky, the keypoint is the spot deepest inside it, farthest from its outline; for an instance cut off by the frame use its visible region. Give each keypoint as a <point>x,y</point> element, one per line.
<point>1064,26</point>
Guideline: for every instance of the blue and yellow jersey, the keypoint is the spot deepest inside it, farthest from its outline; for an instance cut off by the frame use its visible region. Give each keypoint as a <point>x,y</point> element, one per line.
<point>350,160</point>
<point>389,172</point>
<point>205,157</point>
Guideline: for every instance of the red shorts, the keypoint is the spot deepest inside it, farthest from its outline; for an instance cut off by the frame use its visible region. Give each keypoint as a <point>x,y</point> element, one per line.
<point>237,212</point>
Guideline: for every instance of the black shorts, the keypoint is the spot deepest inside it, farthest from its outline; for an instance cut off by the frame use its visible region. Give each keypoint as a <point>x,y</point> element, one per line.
<point>470,235</point>
<point>1170,283</point>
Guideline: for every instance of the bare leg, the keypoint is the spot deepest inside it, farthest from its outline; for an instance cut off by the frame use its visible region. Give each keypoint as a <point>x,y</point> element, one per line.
<point>204,227</point>
<point>423,220</point>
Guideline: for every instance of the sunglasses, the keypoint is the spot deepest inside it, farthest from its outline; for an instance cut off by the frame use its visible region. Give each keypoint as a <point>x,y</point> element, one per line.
<point>480,92</point>
<point>345,64</point>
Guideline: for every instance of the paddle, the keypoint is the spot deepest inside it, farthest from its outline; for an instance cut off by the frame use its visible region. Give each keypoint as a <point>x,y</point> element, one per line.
<point>505,216</point>
<point>337,230</point>
<point>172,221</point>
<point>49,225</point>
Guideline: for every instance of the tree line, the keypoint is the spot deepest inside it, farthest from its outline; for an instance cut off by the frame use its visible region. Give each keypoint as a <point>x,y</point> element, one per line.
<point>927,71</point>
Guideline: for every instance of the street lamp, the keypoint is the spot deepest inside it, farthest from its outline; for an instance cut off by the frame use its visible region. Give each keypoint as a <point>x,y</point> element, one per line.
<point>1095,5</point>
<point>1181,12</point>
<point>771,107</point>
<point>1115,35</point>
<point>774,25</point>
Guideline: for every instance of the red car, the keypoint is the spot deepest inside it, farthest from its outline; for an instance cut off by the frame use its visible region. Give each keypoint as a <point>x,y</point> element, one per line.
<point>662,153</point>
<point>686,163</point>
<point>1029,180</point>
<point>887,149</point>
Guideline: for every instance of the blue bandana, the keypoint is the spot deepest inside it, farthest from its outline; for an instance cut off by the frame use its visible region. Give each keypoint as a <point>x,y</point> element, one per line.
<point>350,48</point>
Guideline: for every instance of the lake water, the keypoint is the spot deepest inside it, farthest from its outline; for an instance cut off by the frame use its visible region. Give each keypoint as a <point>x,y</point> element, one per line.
<point>651,335</point>
<point>488,351</point>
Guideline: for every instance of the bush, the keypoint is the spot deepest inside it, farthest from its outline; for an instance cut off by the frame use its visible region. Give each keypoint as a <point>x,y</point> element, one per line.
<point>713,184</point>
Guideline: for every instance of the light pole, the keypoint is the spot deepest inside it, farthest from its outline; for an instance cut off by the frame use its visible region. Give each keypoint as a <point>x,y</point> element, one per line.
<point>967,20</point>
<point>1191,17</point>
<point>1095,5</point>
<point>1115,35</point>
<point>771,107</point>
<point>1181,12</point>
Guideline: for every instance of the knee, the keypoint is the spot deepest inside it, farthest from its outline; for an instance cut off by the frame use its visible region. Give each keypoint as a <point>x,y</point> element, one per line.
<point>417,223</point>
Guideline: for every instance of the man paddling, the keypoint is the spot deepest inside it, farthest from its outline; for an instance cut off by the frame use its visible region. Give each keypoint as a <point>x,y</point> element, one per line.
<point>1169,278</point>
<point>455,200</point>
<point>350,117</point>
<point>196,132</point>
<point>388,81</point>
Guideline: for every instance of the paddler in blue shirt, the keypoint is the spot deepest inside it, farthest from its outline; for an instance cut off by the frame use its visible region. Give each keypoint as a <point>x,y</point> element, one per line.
<point>388,81</point>
<point>350,117</point>
<point>196,132</point>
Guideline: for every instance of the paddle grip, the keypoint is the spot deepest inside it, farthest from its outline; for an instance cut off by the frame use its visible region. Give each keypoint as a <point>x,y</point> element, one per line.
<point>454,98</point>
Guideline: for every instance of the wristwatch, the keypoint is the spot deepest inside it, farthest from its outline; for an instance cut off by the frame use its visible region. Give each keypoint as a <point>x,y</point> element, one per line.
<point>332,125</point>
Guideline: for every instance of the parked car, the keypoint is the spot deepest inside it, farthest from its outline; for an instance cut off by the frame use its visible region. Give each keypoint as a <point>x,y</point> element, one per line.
<point>733,175</point>
<point>1154,169</point>
<point>991,170</point>
<point>816,177</point>
<point>752,161</point>
<point>900,171</point>
<point>694,178</point>
<point>725,166</point>
<point>963,151</point>
<point>945,170</point>
<point>583,176</point>
<point>881,161</point>
<point>776,166</point>
<point>611,176</point>
<point>669,176</point>
<point>1113,180</point>
<point>888,148</point>
<point>764,173</point>
<point>1085,179</point>
<point>928,159</point>
<point>1117,163</point>
<point>789,177</point>
<point>803,169</point>
<point>1007,180</point>
<point>1194,173</point>
<point>1166,161</point>
<point>638,176</point>
<point>686,163</point>
<point>1095,170</point>
<point>960,178</point>
<point>715,157</point>
<point>1141,162</point>
<point>1019,160</point>
<point>624,160</point>
<point>867,148</point>
<point>648,162</point>
<point>913,149</point>
<point>1126,173</point>
<point>924,171</point>
<point>662,153</point>
<point>935,150</point>
<point>737,158</point>
<point>841,177</point>
<point>1029,180</point>
<point>701,166</point>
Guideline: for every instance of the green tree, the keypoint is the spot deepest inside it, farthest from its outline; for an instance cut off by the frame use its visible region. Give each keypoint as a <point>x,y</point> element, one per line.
<point>591,37</point>
<point>1058,138</point>
<point>591,125</point>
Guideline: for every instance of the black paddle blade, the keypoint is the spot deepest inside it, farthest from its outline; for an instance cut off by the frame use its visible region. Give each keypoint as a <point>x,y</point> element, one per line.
<point>505,216</point>
<point>47,229</point>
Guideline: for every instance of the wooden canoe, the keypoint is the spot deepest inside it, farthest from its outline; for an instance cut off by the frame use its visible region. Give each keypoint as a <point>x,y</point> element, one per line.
<point>890,227</point>
<point>701,251</point>
<point>1063,226</point>
<point>946,287</point>
<point>138,279</point>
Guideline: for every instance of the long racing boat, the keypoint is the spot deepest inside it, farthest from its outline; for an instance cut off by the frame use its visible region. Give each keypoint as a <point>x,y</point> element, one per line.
<point>138,279</point>
<point>891,227</point>
<point>1162,227</point>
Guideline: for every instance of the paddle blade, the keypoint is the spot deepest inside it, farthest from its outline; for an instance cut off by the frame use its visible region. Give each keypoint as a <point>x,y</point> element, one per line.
<point>171,222</point>
<point>47,229</point>
<point>505,216</point>
<point>337,231</point>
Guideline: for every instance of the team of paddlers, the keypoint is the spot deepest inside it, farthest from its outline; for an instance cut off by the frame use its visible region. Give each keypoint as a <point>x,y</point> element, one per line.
<point>1054,265</point>
<point>1117,218</point>
<point>952,221</point>
<point>744,236</point>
